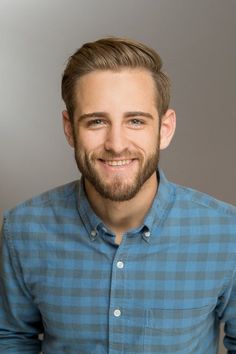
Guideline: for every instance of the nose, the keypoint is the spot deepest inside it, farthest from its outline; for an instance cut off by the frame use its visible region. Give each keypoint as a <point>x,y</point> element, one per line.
<point>115,140</point>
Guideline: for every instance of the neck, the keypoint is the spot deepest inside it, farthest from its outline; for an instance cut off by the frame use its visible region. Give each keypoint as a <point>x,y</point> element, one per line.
<point>119,217</point>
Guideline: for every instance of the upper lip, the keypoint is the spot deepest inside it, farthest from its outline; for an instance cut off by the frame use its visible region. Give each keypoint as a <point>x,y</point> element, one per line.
<point>118,159</point>
<point>116,162</point>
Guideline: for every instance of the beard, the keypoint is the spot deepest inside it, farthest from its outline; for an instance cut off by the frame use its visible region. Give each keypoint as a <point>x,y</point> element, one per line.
<point>120,189</point>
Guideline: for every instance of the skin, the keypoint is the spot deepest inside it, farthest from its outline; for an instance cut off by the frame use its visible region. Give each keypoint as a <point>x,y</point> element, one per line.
<point>117,136</point>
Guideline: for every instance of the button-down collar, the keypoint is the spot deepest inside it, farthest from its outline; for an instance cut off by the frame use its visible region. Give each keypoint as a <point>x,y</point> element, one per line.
<point>158,212</point>
<point>162,203</point>
<point>90,220</point>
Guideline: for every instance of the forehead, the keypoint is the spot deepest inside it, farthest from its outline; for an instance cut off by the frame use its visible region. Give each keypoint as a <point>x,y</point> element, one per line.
<point>116,87</point>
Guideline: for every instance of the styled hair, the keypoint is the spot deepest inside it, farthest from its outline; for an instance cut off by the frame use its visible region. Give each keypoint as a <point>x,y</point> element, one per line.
<point>114,54</point>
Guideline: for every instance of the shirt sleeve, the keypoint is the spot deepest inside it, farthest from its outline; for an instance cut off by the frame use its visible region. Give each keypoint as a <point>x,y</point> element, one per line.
<point>20,320</point>
<point>228,316</point>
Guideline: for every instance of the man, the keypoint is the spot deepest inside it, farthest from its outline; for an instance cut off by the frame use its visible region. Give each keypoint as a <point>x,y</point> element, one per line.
<point>122,261</point>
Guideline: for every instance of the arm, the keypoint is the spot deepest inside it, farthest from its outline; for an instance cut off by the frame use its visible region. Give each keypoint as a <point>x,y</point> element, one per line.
<point>228,316</point>
<point>20,320</point>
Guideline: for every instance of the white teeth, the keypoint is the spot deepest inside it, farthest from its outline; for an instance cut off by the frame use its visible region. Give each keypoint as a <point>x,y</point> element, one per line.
<point>118,163</point>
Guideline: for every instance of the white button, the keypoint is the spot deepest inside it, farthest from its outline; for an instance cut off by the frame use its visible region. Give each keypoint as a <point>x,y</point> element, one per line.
<point>147,233</point>
<point>120,265</point>
<point>93,233</point>
<point>117,313</point>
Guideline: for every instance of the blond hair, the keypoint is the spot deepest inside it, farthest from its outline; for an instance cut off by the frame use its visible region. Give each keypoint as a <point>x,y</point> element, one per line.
<point>114,54</point>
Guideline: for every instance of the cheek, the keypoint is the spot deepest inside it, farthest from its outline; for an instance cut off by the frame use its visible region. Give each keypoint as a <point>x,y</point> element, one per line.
<point>90,140</point>
<point>147,142</point>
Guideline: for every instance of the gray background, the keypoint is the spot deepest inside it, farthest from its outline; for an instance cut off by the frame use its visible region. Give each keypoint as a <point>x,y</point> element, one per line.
<point>196,40</point>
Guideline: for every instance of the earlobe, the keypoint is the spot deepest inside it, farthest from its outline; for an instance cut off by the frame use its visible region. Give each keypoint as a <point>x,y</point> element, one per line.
<point>167,130</point>
<point>68,128</point>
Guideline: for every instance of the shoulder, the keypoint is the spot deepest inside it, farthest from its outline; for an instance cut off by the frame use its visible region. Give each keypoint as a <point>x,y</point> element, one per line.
<point>38,222</point>
<point>44,203</point>
<point>195,200</point>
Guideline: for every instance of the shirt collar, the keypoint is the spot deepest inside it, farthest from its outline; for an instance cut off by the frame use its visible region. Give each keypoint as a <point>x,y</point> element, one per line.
<point>90,220</point>
<point>155,217</point>
<point>161,205</point>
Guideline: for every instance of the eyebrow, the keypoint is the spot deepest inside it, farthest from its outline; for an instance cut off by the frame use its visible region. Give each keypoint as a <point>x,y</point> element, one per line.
<point>106,115</point>
<point>138,113</point>
<point>92,115</point>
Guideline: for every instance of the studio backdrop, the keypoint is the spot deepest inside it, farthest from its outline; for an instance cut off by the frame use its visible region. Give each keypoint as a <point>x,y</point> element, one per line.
<point>196,40</point>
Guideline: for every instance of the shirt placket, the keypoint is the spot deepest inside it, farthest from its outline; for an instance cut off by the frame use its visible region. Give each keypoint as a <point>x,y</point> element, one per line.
<point>117,298</point>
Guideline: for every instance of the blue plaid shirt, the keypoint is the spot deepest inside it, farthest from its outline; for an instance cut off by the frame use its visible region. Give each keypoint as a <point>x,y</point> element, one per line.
<point>165,289</point>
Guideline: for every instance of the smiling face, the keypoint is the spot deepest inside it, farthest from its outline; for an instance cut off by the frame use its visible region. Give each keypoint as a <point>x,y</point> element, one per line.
<point>115,132</point>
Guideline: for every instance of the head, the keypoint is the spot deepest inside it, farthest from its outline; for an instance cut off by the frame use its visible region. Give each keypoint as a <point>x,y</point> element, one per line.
<point>117,116</point>
<point>114,54</point>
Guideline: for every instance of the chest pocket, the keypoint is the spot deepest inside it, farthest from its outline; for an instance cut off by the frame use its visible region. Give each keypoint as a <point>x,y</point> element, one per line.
<point>177,330</point>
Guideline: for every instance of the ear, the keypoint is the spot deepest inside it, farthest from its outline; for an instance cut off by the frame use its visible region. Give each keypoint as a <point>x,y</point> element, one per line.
<point>167,130</point>
<point>68,128</point>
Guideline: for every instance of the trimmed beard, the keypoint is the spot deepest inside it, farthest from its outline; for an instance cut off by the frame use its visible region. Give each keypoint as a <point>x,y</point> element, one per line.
<point>119,190</point>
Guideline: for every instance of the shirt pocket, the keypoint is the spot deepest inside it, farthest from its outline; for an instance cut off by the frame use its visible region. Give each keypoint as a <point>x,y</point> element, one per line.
<point>176,330</point>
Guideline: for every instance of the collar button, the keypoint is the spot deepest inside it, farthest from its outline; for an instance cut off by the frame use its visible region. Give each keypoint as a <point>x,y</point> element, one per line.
<point>93,233</point>
<point>147,233</point>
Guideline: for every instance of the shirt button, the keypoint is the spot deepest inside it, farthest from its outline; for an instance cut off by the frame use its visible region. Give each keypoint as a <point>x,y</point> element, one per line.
<point>117,313</point>
<point>120,265</point>
<point>147,233</point>
<point>93,233</point>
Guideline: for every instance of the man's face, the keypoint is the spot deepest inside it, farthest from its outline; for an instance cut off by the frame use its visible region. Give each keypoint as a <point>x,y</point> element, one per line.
<point>116,131</point>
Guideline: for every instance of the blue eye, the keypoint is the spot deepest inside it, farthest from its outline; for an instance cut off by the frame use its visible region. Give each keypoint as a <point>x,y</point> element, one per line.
<point>95,122</point>
<point>136,122</point>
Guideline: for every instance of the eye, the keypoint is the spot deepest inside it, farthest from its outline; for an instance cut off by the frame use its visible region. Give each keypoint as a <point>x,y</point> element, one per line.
<point>136,122</point>
<point>95,123</point>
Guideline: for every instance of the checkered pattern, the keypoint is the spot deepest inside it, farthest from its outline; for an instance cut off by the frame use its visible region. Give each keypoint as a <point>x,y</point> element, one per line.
<point>165,289</point>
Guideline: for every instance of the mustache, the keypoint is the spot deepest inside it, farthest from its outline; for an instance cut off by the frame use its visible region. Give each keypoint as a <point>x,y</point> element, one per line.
<point>109,155</point>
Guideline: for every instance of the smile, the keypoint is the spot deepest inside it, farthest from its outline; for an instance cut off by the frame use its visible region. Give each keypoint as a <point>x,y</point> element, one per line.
<point>117,162</point>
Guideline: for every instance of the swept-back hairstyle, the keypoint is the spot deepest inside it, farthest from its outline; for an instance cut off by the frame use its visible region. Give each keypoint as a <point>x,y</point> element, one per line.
<point>114,54</point>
